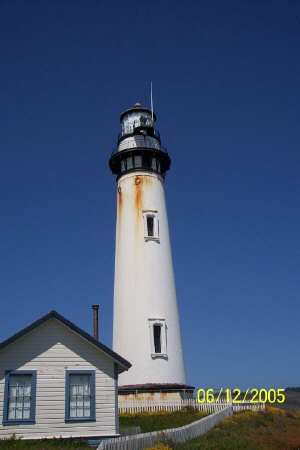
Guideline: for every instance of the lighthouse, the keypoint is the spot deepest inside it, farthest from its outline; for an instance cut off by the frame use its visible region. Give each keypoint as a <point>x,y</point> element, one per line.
<point>146,327</point>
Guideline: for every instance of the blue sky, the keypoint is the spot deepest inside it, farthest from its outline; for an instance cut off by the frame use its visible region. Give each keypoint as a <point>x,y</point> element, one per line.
<point>227,95</point>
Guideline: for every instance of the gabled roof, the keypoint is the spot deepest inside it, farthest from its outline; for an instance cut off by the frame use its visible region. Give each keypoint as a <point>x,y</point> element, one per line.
<point>55,315</point>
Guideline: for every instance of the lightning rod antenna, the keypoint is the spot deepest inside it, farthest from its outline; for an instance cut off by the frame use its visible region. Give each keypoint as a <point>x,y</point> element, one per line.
<point>151,102</point>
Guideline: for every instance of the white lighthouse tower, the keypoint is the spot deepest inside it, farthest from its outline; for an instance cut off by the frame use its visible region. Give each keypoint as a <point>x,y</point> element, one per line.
<point>146,324</point>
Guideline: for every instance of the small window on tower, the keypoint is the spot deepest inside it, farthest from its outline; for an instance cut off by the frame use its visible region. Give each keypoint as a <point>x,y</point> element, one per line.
<point>158,337</point>
<point>157,342</point>
<point>151,225</point>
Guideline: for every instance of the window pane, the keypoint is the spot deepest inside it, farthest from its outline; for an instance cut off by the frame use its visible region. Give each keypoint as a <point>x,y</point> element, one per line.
<point>87,411</point>
<point>73,412</point>
<point>150,225</point>
<point>86,389</point>
<point>137,161</point>
<point>154,164</point>
<point>26,413</point>
<point>79,401</point>
<point>157,341</point>
<point>13,391</point>
<point>73,390</point>
<point>147,162</point>
<point>19,413</point>
<point>129,163</point>
<point>11,412</point>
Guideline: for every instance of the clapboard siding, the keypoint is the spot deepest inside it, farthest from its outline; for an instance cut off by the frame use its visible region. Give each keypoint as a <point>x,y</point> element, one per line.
<point>51,349</point>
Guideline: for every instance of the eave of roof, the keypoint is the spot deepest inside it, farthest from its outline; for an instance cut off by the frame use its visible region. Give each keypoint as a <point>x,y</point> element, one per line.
<point>55,315</point>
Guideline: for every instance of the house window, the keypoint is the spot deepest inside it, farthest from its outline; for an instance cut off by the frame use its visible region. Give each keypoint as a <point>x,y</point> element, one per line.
<point>19,397</point>
<point>80,395</point>
<point>158,337</point>
<point>151,225</point>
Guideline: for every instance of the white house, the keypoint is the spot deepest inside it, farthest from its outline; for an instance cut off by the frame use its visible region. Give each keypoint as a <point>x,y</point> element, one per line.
<point>56,380</point>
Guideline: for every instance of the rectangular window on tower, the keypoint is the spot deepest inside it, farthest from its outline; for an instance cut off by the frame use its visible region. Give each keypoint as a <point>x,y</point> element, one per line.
<point>151,226</point>
<point>158,338</point>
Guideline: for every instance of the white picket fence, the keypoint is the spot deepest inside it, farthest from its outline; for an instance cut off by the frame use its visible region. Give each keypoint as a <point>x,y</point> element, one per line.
<point>243,406</point>
<point>181,434</point>
<point>133,406</point>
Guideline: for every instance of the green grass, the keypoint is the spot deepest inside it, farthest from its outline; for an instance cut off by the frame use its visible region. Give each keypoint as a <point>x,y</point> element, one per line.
<point>42,444</point>
<point>270,430</point>
<point>160,421</point>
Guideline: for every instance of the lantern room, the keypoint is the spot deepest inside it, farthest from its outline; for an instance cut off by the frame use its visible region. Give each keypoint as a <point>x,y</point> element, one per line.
<point>139,146</point>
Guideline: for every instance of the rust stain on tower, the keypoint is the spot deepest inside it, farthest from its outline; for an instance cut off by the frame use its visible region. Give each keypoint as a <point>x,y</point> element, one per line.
<point>140,185</point>
<point>120,208</point>
<point>120,200</point>
<point>138,198</point>
<point>138,201</point>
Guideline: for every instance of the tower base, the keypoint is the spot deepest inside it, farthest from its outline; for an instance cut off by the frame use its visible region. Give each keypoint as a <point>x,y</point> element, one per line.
<point>155,391</point>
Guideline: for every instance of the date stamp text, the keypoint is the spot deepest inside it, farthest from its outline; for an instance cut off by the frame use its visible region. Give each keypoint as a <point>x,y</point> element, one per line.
<point>238,396</point>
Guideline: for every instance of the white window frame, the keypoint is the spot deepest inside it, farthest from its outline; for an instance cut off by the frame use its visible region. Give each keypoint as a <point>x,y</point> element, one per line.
<point>163,337</point>
<point>154,215</point>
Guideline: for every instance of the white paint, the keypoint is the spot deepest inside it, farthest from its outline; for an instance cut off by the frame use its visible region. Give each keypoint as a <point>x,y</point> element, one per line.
<point>51,349</point>
<point>144,283</point>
